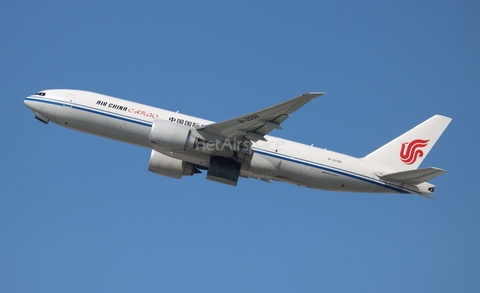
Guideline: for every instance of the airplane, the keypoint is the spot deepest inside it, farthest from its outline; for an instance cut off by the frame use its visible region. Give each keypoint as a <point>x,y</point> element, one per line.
<point>182,145</point>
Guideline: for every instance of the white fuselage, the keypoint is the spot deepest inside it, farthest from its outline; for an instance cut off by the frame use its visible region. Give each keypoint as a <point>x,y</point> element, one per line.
<point>276,159</point>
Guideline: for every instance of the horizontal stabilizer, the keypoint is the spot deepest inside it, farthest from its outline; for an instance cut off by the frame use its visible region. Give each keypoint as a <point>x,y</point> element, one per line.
<point>413,177</point>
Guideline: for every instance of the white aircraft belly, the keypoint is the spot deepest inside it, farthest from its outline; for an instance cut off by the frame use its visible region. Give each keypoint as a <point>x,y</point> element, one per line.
<point>266,164</point>
<point>273,158</point>
<point>103,125</point>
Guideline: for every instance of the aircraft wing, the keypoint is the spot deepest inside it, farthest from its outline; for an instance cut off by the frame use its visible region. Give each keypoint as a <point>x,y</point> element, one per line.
<point>413,177</point>
<point>256,125</point>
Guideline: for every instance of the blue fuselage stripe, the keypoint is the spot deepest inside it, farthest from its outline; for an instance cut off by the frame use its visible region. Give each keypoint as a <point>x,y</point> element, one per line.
<point>333,170</point>
<point>92,110</point>
<point>257,150</point>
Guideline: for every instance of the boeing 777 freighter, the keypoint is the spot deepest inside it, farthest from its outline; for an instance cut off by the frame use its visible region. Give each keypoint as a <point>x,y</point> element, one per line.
<point>183,145</point>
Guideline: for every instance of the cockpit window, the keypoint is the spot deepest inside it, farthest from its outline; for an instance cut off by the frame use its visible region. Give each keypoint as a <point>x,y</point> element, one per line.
<point>42,94</point>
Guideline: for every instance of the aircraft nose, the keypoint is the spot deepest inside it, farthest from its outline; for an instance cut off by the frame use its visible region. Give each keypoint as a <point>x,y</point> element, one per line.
<point>29,104</point>
<point>40,113</point>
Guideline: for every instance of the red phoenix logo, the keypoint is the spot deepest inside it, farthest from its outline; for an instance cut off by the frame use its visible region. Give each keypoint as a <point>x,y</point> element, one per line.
<point>412,150</point>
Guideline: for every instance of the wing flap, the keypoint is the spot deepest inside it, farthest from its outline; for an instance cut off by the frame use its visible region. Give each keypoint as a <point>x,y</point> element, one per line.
<point>413,177</point>
<point>255,125</point>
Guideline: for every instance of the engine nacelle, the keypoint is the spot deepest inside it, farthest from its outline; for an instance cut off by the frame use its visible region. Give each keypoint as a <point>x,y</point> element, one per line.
<point>169,136</point>
<point>170,167</point>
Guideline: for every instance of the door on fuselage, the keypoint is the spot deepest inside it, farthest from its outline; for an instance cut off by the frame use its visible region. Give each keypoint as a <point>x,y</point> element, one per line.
<point>68,102</point>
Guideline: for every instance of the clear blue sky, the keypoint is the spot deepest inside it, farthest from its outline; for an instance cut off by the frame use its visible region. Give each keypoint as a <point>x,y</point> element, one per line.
<point>79,213</point>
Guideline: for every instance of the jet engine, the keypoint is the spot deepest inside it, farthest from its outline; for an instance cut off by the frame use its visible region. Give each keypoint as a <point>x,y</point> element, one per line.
<point>170,167</point>
<point>169,136</point>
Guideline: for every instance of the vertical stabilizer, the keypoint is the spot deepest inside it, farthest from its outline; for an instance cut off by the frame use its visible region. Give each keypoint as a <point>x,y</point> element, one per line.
<point>407,151</point>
